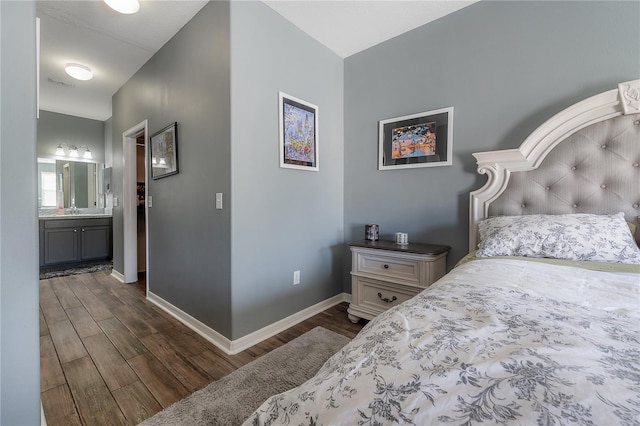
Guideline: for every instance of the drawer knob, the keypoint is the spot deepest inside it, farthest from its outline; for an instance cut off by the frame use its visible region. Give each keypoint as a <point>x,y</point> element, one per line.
<point>386,266</point>
<point>386,299</point>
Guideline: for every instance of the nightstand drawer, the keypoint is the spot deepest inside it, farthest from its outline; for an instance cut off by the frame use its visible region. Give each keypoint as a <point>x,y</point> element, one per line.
<point>380,296</point>
<point>385,274</point>
<point>389,266</point>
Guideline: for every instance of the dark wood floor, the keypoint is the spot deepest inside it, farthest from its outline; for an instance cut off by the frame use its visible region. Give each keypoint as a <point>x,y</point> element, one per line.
<point>108,356</point>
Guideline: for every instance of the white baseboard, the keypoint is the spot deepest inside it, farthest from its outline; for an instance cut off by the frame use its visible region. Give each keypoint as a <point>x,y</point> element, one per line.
<point>258,336</point>
<point>117,275</point>
<point>202,329</point>
<point>232,347</point>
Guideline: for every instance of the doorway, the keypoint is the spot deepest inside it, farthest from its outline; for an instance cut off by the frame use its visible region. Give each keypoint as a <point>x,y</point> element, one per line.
<point>66,185</point>
<point>134,203</point>
<point>141,185</point>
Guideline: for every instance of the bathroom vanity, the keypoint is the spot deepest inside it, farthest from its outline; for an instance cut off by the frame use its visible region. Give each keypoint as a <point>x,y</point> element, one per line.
<point>75,239</point>
<point>73,225</point>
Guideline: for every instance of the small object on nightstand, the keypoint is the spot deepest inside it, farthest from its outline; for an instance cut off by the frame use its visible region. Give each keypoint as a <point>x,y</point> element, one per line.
<point>385,274</point>
<point>402,238</point>
<point>371,232</point>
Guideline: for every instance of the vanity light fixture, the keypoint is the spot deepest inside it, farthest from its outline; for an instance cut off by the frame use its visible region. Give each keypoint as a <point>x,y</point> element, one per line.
<point>126,7</point>
<point>73,151</point>
<point>79,72</point>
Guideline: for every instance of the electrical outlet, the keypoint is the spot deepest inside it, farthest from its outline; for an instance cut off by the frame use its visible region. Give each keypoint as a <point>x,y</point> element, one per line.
<point>296,277</point>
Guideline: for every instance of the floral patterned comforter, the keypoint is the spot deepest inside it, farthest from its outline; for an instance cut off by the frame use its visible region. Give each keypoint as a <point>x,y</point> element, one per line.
<point>494,342</point>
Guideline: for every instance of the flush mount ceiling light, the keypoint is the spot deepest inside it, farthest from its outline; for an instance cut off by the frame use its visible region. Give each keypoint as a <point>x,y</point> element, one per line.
<point>126,7</point>
<point>79,72</point>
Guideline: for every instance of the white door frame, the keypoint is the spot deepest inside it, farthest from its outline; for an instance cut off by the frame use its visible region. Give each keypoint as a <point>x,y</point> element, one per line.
<point>130,202</point>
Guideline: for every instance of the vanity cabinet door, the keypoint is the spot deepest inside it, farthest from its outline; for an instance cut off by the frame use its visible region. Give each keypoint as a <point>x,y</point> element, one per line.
<point>60,245</point>
<point>96,242</point>
<point>74,241</point>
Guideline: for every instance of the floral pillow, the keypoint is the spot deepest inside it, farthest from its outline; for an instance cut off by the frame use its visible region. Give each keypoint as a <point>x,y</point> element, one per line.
<point>600,238</point>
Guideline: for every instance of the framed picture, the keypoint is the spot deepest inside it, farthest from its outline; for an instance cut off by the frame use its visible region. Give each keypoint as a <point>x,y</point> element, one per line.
<point>164,152</point>
<point>298,122</point>
<point>424,139</point>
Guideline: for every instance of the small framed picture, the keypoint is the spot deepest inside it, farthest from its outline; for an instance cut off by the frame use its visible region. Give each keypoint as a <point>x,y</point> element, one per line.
<point>164,152</point>
<point>298,123</point>
<point>424,139</point>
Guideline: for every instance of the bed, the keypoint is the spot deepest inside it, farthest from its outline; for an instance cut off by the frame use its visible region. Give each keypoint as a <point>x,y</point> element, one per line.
<point>539,324</point>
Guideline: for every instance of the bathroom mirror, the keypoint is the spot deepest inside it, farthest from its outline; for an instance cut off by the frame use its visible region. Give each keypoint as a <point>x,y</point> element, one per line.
<point>63,183</point>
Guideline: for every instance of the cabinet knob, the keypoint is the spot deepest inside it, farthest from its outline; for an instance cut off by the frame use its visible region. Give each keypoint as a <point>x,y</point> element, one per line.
<point>75,230</point>
<point>82,229</point>
<point>386,299</point>
<point>386,266</point>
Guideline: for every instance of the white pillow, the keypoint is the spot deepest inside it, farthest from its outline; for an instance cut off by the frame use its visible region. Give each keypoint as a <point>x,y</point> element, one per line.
<point>601,238</point>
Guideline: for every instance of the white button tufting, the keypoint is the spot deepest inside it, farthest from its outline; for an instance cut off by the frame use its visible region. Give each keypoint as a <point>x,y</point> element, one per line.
<point>603,186</point>
<point>604,147</point>
<point>635,206</point>
<point>523,206</point>
<point>575,206</point>
<point>636,164</point>
<point>573,168</point>
<point>547,188</point>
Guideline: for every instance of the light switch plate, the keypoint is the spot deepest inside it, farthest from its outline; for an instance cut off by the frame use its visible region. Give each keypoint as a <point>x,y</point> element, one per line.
<point>219,200</point>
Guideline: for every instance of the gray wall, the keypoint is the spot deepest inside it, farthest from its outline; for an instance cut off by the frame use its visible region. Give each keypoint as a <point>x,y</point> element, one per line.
<point>272,213</point>
<point>108,143</point>
<point>283,219</point>
<point>506,67</point>
<point>186,81</point>
<point>19,335</point>
<point>55,129</point>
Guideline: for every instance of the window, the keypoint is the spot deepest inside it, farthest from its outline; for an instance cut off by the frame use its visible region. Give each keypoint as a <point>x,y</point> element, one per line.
<point>48,188</point>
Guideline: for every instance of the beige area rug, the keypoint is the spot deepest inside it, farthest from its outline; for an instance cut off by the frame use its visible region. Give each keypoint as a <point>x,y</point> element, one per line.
<point>232,399</point>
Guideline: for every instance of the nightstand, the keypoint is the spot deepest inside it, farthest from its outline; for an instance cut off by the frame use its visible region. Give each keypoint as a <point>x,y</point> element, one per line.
<point>385,274</point>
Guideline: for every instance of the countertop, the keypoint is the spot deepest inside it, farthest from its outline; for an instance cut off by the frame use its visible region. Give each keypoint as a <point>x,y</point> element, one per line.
<point>75,216</point>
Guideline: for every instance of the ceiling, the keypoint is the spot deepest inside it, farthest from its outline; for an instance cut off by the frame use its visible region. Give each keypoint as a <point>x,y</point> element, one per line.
<point>350,26</point>
<point>115,46</point>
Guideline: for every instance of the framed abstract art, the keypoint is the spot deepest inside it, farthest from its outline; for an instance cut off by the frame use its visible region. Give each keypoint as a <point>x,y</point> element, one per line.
<point>298,128</point>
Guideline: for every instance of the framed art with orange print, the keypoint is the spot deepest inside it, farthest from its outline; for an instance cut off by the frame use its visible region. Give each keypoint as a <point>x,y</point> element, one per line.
<point>424,139</point>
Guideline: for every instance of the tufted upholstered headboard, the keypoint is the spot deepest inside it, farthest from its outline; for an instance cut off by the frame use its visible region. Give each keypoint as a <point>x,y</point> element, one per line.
<point>585,159</point>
